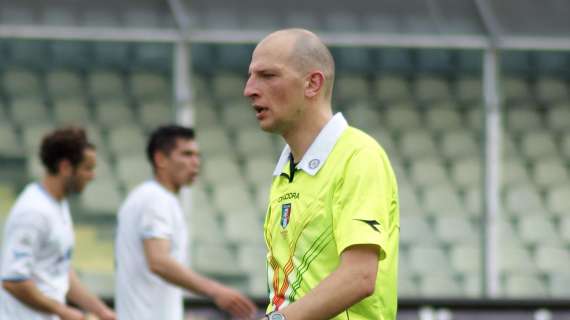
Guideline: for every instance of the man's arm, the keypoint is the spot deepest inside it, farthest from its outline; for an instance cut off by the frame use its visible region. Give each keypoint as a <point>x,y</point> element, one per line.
<point>162,264</point>
<point>27,292</point>
<point>81,296</point>
<point>351,282</point>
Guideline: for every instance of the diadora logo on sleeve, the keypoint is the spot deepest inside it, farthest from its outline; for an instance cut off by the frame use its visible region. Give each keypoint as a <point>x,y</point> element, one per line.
<point>289,196</point>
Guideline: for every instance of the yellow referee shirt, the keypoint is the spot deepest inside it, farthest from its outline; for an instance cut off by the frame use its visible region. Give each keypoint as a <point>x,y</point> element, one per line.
<point>342,193</point>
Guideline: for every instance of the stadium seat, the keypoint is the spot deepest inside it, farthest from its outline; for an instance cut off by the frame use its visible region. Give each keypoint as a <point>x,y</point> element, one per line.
<point>104,84</point>
<point>552,258</point>
<point>21,83</point>
<point>469,89</point>
<point>126,139</point>
<point>406,286</point>
<point>476,118</point>
<point>205,114</point>
<point>429,260</point>
<point>238,115</point>
<point>228,86</point>
<point>458,144</point>
<point>456,230</point>
<point>523,200</point>
<point>557,117</point>
<point>384,138</point>
<point>538,144</point>
<point>426,173</point>
<point>431,89</point>
<point>27,111</point>
<point>351,87</point>
<point>243,225</point>
<point>409,203</point>
<point>113,112</point>
<point>64,83</point>
<point>523,118</point>
<point>515,89</point>
<point>392,88</point>
<point>538,229</point>
<point>442,199</point>
<point>474,201</point>
<point>557,199</point>
<point>472,285</point>
<point>219,170</point>
<point>444,118</point>
<point>565,146</point>
<point>259,169</point>
<point>71,110</point>
<point>102,196</point>
<point>232,197</point>
<point>558,285</point>
<point>466,173</point>
<point>551,89</point>
<point>362,115</point>
<point>148,85</point>
<point>416,229</point>
<point>524,286</point>
<point>353,60</point>
<point>213,141</point>
<point>515,259</point>
<point>439,285</point>
<point>133,169</point>
<point>215,259</point>
<point>416,144</point>
<point>466,258</point>
<point>155,113</point>
<point>402,117</point>
<point>514,173</point>
<point>10,145</point>
<point>549,172</point>
<point>32,136</point>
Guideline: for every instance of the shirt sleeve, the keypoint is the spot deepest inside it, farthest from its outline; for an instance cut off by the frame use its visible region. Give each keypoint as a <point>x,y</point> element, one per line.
<point>156,221</point>
<point>362,202</point>
<point>23,240</point>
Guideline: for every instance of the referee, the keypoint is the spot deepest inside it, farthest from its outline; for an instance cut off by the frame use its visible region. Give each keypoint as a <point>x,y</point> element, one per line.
<point>332,223</point>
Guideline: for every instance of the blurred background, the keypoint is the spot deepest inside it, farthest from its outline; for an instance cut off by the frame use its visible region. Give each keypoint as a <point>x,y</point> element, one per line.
<point>470,99</point>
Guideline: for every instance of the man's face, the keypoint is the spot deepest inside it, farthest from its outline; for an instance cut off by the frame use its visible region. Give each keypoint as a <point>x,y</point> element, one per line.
<point>275,88</point>
<point>182,165</point>
<point>83,173</point>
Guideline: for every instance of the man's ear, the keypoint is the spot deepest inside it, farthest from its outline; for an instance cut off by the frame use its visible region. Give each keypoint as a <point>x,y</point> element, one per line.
<point>314,84</point>
<point>159,159</point>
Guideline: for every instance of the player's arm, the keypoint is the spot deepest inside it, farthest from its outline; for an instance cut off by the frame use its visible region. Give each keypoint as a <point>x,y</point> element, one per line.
<point>162,264</point>
<point>352,281</point>
<point>27,292</point>
<point>80,295</point>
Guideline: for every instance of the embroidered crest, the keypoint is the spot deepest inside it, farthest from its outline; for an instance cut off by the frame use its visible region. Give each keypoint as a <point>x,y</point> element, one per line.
<point>313,164</point>
<point>285,214</point>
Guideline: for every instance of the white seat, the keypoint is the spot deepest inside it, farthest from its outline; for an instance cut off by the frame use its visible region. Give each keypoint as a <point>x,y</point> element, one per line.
<point>524,286</point>
<point>213,141</point>
<point>515,89</point>
<point>238,115</point>
<point>444,118</point>
<point>467,172</point>
<point>440,285</point>
<point>105,84</point>
<point>252,141</point>
<point>362,115</point>
<point>125,140</point>
<point>148,85</point>
<point>565,146</point>
<point>473,200</point>
<point>417,144</point>
<point>557,116</point>
<point>475,118</point>
<point>133,169</point>
<point>523,200</point>
<point>514,173</point>
<point>409,203</point>
<point>243,226</point>
<point>442,199</point>
<point>430,89</point>
<point>558,285</point>
<point>416,230</point>
<point>565,229</point>
<point>113,112</point>
<point>523,118</point>
<point>232,198</point>
<point>102,196</point>
<point>156,113</point>
<point>351,87</point>
<point>228,86</point>
<point>553,258</point>
<point>252,258</point>
<point>205,114</point>
<point>538,228</point>
<point>21,82</point>
<point>428,172</point>
<point>429,259</point>
<point>64,83</point>
<point>551,89</point>
<point>32,136</point>
<point>550,172</point>
<point>72,110</point>
<point>515,259</point>
<point>557,199</point>
<point>9,142</point>
<point>456,230</point>
<point>466,258</point>
<point>538,144</point>
<point>29,110</point>
<point>459,144</point>
<point>215,259</point>
<point>259,170</point>
<point>219,170</point>
<point>469,89</point>
<point>392,88</point>
<point>402,117</point>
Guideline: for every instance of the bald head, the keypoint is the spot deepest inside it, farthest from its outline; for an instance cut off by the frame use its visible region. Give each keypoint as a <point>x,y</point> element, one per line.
<point>305,52</point>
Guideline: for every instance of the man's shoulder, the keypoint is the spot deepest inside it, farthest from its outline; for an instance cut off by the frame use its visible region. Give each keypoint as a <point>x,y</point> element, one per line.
<point>354,140</point>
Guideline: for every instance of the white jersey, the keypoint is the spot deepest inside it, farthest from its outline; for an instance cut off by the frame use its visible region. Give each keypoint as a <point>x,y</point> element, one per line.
<point>150,211</point>
<point>37,245</point>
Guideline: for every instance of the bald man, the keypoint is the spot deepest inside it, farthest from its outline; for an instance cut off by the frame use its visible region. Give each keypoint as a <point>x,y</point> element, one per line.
<point>332,223</point>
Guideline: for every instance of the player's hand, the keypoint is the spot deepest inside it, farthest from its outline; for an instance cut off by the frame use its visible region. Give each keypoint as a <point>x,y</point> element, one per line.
<point>235,303</point>
<point>69,313</point>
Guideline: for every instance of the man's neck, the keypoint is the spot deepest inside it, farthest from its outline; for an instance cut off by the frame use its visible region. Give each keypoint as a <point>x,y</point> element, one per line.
<point>54,187</point>
<point>302,136</point>
<point>166,183</point>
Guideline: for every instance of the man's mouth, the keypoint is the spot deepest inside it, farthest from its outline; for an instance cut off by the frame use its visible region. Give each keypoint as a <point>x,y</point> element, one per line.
<point>259,111</point>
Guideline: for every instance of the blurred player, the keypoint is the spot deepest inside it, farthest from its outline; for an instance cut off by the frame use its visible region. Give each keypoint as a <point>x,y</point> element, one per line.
<point>332,224</point>
<point>151,242</point>
<point>37,276</point>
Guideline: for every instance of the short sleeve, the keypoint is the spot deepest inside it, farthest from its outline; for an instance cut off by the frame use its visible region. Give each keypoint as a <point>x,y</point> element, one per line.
<point>156,222</point>
<point>23,239</point>
<point>361,202</point>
